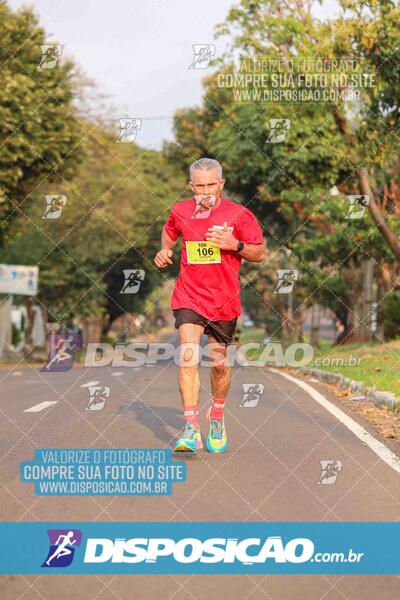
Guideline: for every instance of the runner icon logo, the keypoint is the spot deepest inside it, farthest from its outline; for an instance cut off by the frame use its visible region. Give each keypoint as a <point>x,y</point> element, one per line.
<point>357,205</point>
<point>97,397</point>
<point>251,394</point>
<point>278,130</point>
<point>133,281</point>
<point>286,279</point>
<point>50,55</point>
<point>54,205</point>
<point>62,547</point>
<point>203,53</point>
<point>329,471</point>
<point>63,347</point>
<point>128,130</point>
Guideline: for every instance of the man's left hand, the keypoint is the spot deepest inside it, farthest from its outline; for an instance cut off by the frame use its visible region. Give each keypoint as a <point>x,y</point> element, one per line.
<point>222,238</point>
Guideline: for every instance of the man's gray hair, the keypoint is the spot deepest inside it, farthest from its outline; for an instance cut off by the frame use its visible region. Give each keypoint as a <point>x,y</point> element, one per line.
<point>205,164</point>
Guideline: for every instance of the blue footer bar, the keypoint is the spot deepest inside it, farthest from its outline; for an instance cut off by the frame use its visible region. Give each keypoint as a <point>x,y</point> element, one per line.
<point>200,547</point>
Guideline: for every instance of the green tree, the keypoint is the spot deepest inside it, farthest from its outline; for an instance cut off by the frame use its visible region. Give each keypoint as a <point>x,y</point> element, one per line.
<point>115,208</point>
<point>39,129</point>
<point>352,148</point>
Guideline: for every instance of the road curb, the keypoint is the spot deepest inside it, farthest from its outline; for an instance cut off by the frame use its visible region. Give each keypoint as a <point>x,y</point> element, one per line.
<point>378,397</point>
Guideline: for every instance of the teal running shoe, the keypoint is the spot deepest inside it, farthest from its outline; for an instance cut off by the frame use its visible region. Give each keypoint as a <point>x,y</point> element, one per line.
<point>217,439</point>
<point>190,440</point>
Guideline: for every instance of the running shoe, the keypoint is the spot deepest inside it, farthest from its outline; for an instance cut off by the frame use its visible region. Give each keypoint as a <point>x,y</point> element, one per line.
<point>217,439</point>
<point>190,440</point>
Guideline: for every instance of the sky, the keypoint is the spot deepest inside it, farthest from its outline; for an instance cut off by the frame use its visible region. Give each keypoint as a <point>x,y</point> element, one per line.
<point>138,52</point>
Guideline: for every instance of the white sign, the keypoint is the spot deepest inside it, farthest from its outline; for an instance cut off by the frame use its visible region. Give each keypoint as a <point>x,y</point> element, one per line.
<point>18,279</point>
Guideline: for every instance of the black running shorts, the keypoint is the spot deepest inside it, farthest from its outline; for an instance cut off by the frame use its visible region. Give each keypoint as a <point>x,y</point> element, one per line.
<point>222,331</point>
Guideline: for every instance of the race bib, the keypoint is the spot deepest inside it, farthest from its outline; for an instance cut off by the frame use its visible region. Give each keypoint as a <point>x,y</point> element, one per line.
<point>202,253</point>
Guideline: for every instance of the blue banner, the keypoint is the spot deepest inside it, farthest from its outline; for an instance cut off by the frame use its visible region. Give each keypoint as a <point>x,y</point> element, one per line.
<point>103,472</point>
<point>220,547</point>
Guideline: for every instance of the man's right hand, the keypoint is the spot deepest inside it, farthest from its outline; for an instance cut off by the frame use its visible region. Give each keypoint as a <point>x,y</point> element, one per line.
<point>163,258</point>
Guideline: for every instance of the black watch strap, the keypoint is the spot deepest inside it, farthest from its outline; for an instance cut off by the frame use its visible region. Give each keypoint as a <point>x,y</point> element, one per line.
<point>240,247</point>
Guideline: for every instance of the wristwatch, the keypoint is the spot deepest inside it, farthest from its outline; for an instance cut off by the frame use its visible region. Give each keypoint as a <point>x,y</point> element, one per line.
<point>240,247</point>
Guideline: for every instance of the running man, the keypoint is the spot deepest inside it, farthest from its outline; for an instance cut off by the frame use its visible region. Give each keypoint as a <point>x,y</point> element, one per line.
<point>217,235</point>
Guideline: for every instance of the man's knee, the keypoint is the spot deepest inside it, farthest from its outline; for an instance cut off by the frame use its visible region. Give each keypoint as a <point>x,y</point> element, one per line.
<point>188,355</point>
<point>219,363</point>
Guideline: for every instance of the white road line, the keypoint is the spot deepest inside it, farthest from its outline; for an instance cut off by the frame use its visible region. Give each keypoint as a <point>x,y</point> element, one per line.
<point>89,383</point>
<point>376,446</point>
<point>41,406</point>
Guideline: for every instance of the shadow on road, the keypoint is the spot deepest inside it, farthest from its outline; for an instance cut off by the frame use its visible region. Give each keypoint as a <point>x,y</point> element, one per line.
<point>161,420</point>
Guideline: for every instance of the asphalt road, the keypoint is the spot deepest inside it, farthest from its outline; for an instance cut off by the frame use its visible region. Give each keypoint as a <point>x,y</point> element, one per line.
<point>270,473</point>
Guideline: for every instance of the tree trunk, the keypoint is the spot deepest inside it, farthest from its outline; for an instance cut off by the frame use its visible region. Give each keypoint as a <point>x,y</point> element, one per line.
<point>315,319</point>
<point>377,216</point>
<point>284,316</point>
<point>366,333</point>
<point>380,326</point>
<point>299,321</point>
<point>29,323</point>
<point>91,329</point>
<point>354,280</point>
<point>375,211</point>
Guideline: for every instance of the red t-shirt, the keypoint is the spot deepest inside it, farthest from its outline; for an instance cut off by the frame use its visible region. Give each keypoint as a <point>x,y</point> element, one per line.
<point>212,290</point>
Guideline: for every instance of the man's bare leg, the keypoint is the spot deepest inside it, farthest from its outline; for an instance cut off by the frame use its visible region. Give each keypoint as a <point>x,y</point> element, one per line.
<point>220,383</point>
<point>189,380</point>
<point>220,372</point>
<point>189,385</point>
